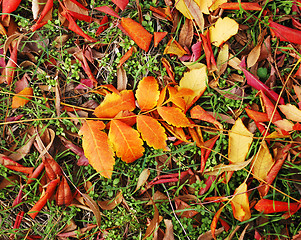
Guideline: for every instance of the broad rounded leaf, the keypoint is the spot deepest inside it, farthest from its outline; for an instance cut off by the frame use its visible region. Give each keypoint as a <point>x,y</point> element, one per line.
<point>96,147</point>
<point>240,203</point>
<point>114,103</point>
<point>223,29</point>
<point>240,140</point>
<point>291,112</point>
<point>126,141</point>
<point>23,97</point>
<point>147,93</point>
<point>151,131</point>
<point>174,116</point>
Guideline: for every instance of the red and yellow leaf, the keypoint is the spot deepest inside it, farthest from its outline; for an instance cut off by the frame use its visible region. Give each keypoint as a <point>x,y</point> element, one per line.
<point>174,116</point>
<point>113,103</point>
<point>138,33</point>
<point>96,147</point>
<point>269,108</point>
<point>151,131</point>
<point>147,93</point>
<point>23,97</point>
<point>125,141</point>
<point>291,112</point>
<point>240,203</point>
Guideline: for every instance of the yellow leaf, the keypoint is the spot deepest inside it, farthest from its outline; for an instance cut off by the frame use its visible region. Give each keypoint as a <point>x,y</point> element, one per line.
<point>173,47</point>
<point>23,97</point>
<point>181,6</point>
<point>223,29</point>
<point>291,112</point>
<point>240,203</point>
<point>263,162</point>
<point>285,124</point>
<point>196,80</point>
<point>125,141</point>
<point>113,103</point>
<point>240,140</point>
<point>222,59</point>
<point>151,131</point>
<point>174,116</point>
<point>147,93</point>
<point>96,147</point>
<point>215,5</point>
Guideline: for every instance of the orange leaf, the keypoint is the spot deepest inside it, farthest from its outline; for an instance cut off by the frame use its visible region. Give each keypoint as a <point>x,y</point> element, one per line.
<point>240,203</point>
<point>158,36</point>
<point>152,132</point>
<point>173,47</point>
<point>177,99</point>
<point>174,116</point>
<point>113,103</point>
<point>269,108</point>
<point>199,113</point>
<point>138,33</point>
<point>125,141</point>
<point>126,56</point>
<point>23,97</point>
<point>96,147</point>
<point>147,93</point>
<point>214,221</point>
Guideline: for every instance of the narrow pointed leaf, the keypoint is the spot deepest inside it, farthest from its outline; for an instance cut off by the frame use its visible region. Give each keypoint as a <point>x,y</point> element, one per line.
<point>121,3</point>
<point>158,36</point>
<point>268,206</point>
<point>248,6</point>
<point>125,141</point>
<point>151,131</point>
<point>199,113</point>
<point>270,109</point>
<point>174,116</point>
<point>147,93</point>
<point>257,116</point>
<point>96,147</point>
<point>108,10</point>
<point>240,203</point>
<point>285,33</point>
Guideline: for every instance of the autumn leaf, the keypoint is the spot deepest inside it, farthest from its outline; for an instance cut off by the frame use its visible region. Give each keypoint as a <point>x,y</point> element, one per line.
<point>125,141</point>
<point>223,29</point>
<point>240,140</point>
<point>174,116</point>
<point>158,36</point>
<point>113,103</point>
<point>151,131</point>
<point>138,33</point>
<point>269,206</point>
<point>147,93</point>
<point>196,80</point>
<point>8,6</point>
<point>240,203</point>
<point>96,147</point>
<point>23,97</point>
<point>121,3</point>
<point>173,47</point>
<point>198,112</point>
<point>291,112</point>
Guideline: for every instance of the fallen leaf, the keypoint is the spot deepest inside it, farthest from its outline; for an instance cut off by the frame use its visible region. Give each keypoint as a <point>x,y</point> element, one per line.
<point>147,93</point>
<point>184,210</point>
<point>158,36</point>
<point>153,225</point>
<point>221,168</point>
<point>223,29</point>
<point>291,112</point>
<point>138,33</point>
<point>222,59</point>
<point>126,56</point>
<point>174,116</point>
<point>23,97</point>
<point>173,47</point>
<point>240,140</point>
<point>96,147</point>
<point>94,207</point>
<point>199,113</point>
<point>111,204</point>
<point>125,141</point>
<point>195,13</point>
<point>142,178</point>
<point>248,6</point>
<point>285,33</point>
<point>107,10</point>
<point>169,230</point>
<point>8,6</point>
<point>121,3</point>
<point>268,206</point>
<point>186,34</point>
<point>122,79</point>
<point>151,131</point>
<point>240,203</point>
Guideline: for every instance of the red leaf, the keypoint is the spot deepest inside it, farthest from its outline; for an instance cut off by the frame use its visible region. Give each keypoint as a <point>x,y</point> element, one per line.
<point>8,6</point>
<point>198,112</point>
<point>79,16</point>
<point>158,36</point>
<point>35,173</point>
<point>257,116</point>
<point>107,10</point>
<point>53,169</point>
<point>214,221</point>
<point>270,206</point>
<point>248,6</point>
<point>269,108</point>
<point>103,25</point>
<point>205,152</point>
<point>121,3</point>
<point>79,5</point>
<point>285,33</point>
<point>22,169</point>
<point>64,195</point>
<point>126,56</point>
<point>46,9</point>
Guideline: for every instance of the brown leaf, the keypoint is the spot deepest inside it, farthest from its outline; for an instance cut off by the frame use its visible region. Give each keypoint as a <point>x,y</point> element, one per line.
<point>122,79</point>
<point>142,178</point>
<point>94,207</point>
<point>111,204</point>
<point>169,230</point>
<point>186,34</point>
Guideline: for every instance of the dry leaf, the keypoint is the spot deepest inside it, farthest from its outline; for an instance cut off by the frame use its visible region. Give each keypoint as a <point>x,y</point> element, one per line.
<point>23,97</point>
<point>142,178</point>
<point>240,203</point>
<point>222,59</point>
<point>173,47</point>
<point>122,79</point>
<point>125,141</point>
<point>96,147</point>
<point>111,204</point>
<point>291,112</point>
<point>220,168</point>
<point>94,207</point>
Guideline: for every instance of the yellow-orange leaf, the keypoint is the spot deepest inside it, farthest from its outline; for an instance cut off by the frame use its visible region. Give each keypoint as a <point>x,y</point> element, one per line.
<point>96,147</point>
<point>223,29</point>
<point>23,97</point>
<point>291,112</point>
<point>174,116</point>
<point>263,162</point>
<point>126,141</point>
<point>113,103</point>
<point>151,131</point>
<point>147,93</point>
<point>195,80</point>
<point>240,140</point>
<point>138,33</point>
<point>173,47</point>
<point>240,203</point>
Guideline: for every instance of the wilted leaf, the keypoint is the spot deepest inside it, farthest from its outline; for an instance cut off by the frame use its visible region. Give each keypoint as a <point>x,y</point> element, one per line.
<point>173,47</point>
<point>291,112</point>
<point>113,103</point>
<point>142,178</point>
<point>248,6</point>
<point>94,207</point>
<point>186,34</point>
<point>196,80</point>
<point>240,140</point>
<point>219,169</point>
<point>263,162</point>
<point>138,33</point>
<point>126,141</point>
<point>222,59</point>
<point>169,230</point>
<point>184,210</point>
<point>96,147</point>
<point>111,204</point>
<point>151,131</point>
<point>214,221</point>
<point>147,93</point>
<point>240,203</point>
<point>23,97</point>
<point>174,116</point>
<point>196,13</point>
<point>153,224</point>
<point>122,79</point>
<point>223,29</point>
<point>285,124</point>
